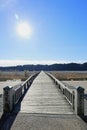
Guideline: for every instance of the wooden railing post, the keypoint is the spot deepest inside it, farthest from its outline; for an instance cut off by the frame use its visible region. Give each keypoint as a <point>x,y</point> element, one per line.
<point>73,100</point>
<point>7,99</point>
<point>79,101</point>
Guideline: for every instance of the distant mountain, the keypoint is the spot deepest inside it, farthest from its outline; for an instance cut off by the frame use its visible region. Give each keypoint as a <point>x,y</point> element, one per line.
<point>53,67</point>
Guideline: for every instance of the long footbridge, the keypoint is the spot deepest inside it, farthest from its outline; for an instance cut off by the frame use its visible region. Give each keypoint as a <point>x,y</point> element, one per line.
<point>47,105</point>
<point>44,97</point>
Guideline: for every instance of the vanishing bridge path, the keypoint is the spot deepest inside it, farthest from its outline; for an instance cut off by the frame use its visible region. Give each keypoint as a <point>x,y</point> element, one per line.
<point>45,108</point>
<point>44,97</point>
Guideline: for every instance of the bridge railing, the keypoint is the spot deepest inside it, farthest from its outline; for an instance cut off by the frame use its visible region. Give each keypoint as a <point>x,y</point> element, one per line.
<point>1,104</point>
<point>11,95</point>
<point>85,104</point>
<point>74,95</point>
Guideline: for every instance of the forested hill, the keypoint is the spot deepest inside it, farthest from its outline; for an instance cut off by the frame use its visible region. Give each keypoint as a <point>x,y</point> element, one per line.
<point>53,67</point>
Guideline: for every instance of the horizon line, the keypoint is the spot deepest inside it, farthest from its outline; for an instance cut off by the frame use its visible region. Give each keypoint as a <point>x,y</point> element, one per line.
<point>6,63</point>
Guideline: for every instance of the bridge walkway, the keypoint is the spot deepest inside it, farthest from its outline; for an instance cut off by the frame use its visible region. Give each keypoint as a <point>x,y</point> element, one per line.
<point>45,108</point>
<point>44,97</point>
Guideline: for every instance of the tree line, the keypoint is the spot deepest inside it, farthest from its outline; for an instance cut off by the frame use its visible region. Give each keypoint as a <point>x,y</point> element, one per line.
<point>53,67</point>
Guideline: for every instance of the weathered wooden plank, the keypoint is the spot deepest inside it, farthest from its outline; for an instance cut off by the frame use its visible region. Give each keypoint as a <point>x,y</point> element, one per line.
<point>45,108</point>
<point>44,97</point>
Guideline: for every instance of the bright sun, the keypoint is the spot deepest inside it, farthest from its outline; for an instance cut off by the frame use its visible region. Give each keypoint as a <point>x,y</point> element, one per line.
<point>24,30</point>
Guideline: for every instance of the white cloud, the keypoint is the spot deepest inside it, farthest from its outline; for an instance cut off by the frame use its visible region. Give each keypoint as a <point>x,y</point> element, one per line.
<point>23,62</point>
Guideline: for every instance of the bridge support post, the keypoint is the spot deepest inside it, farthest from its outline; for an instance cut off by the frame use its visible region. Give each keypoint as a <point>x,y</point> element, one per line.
<point>7,99</point>
<point>79,101</point>
<point>24,87</point>
<point>28,84</point>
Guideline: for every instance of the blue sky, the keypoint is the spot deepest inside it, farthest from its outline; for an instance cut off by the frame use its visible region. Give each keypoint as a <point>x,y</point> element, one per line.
<point>59,31</point>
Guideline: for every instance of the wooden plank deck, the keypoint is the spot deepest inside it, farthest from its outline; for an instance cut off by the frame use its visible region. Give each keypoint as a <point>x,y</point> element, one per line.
<point>44,97</point>
<point>45,108</point>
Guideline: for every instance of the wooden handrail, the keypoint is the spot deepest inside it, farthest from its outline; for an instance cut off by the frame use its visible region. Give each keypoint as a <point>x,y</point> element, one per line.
<point>74,95</point>
<point>12,95</point>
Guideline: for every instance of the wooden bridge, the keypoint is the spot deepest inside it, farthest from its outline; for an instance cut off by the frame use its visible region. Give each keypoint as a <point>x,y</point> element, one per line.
<point>44,97</point>
<point>49,105</point>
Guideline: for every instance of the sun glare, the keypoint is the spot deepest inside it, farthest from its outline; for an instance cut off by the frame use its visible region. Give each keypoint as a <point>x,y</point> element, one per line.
<point>24,30</point>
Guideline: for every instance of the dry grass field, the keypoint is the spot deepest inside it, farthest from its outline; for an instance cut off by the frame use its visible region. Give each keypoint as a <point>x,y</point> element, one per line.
<point>10,75</point>
<point>72,78</point>
<point>70,75</point>
<point>13,78</point>
<point>61,75</point>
